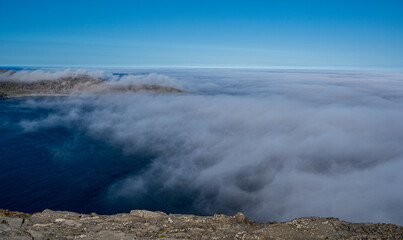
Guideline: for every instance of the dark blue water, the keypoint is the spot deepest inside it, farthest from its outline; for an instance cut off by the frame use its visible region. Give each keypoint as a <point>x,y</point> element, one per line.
<point>57,168</point>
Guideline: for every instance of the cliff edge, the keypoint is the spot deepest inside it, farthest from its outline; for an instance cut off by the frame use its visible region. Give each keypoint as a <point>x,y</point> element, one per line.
<point>141,224</point>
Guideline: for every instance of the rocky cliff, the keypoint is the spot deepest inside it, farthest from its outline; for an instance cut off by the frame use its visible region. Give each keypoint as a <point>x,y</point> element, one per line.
<point>70,85</point>
<point>140,224</point>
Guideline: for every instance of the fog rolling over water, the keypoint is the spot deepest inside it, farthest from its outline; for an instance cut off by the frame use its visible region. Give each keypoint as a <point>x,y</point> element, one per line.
<point>275,145</point>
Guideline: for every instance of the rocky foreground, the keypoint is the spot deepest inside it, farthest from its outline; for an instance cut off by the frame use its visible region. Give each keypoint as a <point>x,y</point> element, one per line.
<point>68,86</point>
<point>141,224</point>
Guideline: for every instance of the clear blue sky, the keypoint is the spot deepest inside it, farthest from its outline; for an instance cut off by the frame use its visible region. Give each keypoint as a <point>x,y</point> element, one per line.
<point>150,33</point>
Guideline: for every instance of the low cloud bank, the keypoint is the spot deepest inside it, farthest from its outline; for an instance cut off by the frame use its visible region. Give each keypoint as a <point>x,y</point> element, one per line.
<point>37,75</point>
<point>148,78</point>
<point>274,145</point>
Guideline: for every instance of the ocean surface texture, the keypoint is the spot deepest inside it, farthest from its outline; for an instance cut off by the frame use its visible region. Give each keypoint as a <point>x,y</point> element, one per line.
<point>276,145</point>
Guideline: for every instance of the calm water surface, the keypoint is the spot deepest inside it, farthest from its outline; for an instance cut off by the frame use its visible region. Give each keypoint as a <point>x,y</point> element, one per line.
<point>57,168</point>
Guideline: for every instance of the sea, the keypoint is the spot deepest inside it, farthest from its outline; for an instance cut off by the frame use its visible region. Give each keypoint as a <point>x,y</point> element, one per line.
<point>56,168</point>
<point>273,144</point>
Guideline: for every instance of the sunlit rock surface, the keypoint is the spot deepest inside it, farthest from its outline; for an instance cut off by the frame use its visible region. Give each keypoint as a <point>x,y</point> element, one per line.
<point>141,224</point>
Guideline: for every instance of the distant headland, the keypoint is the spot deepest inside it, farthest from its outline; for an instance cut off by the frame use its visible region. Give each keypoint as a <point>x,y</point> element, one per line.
<point>70,85</point>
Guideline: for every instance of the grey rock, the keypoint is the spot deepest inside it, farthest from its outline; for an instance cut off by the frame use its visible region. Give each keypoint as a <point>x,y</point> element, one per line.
<point>19,237</point>
<point>141,224</point>
<point>15,222</point>
<point>36,234</point>
<point>240,218</point>
<point>4,227</point>
<point>68,222</point>
<point>112,235</point>
<point>147,214</point>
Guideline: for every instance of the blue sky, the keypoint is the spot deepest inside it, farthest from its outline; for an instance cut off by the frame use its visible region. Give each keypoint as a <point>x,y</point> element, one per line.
<point>274,34</point>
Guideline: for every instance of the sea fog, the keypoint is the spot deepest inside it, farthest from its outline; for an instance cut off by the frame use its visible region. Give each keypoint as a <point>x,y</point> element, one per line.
<point>273,144</point>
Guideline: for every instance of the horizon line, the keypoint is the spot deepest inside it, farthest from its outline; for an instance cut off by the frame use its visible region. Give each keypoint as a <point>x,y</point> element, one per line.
<point>328,68</point>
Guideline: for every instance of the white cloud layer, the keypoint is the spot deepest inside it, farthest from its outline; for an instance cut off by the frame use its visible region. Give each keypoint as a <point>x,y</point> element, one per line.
<point>275,145</point>
<point>37,75</point>
<point>116,79</point>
